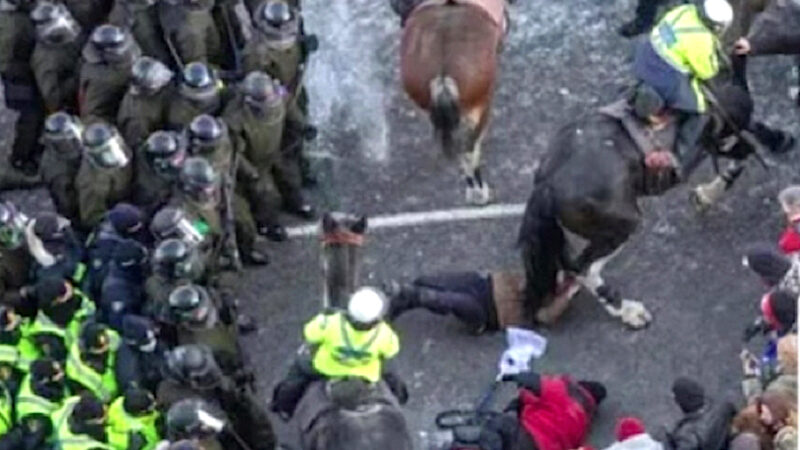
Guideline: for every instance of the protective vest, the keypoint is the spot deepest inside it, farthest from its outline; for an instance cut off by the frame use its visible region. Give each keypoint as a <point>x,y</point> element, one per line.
<point>13,356</point>
<point>121,424</point>
<point>65,439</point>
<point>686,44</point>
<point>102,385</point>
<point>69,334</point>
<point>6,421</point>
<point>346,352</point>
<point>29,403</point>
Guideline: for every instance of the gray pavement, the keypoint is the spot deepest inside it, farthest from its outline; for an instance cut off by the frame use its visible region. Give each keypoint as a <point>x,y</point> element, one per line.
<point>377,157</point>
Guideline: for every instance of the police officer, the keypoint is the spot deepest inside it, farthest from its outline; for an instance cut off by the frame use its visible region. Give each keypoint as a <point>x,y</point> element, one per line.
<point>63,310</point>
<point>18,38</point>
<point>123,288</point>
<point>80,423</point>
<point>58,47</point>
<point>195,425</point>
<point>144,350</point>
<point>256,119</point>
<point>190,29</point>
<point>199,197</point>
<point>15,261</point>
<point>63,148</point>
<point>124,222</point>
<point>191,371</point>
<point>203,319</point>
<point>158,164</point>
<point>680,54</point>
<point>106,72</point>
<point>133,420</point>
<point>144,108</point>
<point>56,249</point>
<point>92,361</point>
<point>42,392</point>
<point>174,263</point>
<point>199,92</point>
<point>104,178</point>
<point>16,352</point>
<point>140,17</point>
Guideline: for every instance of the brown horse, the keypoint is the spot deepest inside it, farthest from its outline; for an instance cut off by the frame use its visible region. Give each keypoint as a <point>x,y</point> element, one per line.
<point>449,65</point>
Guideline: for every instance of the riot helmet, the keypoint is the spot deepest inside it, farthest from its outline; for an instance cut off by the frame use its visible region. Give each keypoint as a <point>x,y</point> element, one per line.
<point>194,365</point>
<point>279,23</point>
<point>366,308</point>
<point>200,84</point>
<point>175,259</point>
<point>165,152</point>
<point>205,133</point>
<point>149,75</point>
<point>189,419</point>
<point>199,180</point>
<point>12,226</point>
<point>104,146</point>
<point>54,24</point>
<point>260,92</point>
<point>172,223</point>
<point>63,133</point>
<point>191,305</point>
<point>112,45</point>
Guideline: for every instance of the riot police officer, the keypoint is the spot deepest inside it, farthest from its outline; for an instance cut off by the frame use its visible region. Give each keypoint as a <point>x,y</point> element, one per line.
<point>158,164</point>
<point>144,108</point>
<point>63,148</point>
<point>200,92</point>
<point>15,261</point>
<point>190,29</point>
<point>141,18</point>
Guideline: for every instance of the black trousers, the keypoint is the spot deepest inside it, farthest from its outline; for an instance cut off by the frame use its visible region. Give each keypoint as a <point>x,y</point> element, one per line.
<point>466,295</point>
<point>25,99</point>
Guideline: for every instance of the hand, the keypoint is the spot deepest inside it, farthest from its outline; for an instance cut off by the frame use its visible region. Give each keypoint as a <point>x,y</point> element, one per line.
<point>741,46</point>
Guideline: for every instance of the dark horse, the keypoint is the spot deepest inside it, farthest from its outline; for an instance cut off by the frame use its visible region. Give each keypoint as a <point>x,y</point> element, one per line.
<point>584,205</point>
<point>348,414</point>
<point>448,66</point>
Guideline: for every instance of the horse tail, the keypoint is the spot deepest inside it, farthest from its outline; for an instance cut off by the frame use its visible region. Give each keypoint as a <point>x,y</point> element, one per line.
<point>445,113</point>
<point>541,241</point>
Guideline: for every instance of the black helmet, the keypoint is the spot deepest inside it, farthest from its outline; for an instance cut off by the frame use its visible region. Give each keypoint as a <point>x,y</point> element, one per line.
<point>190,304</point>
<point>104,146</point>
<point>112,44</point>
<point>61,123</point>
<point>277,13</point>
<point>139,332</point>
<point>12,225</point>
<point>174,258</point>
<point>259,89</point>
<point>194,365</point>
<point>108,36</point>
<point>165,151</point>
<point>63,133</point>
<point>278,22</point>
<point>199,83</point>
<point>198,75</point>
<point>172,223</point>
<point>149,74</point>
<point>183,421</point>
<point>54,23</point>
<point>205,132</point>
<point>199,179</point>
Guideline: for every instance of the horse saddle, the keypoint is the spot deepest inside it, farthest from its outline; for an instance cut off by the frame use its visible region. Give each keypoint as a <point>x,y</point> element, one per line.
<point>495,9</point>
<point>658,135</point>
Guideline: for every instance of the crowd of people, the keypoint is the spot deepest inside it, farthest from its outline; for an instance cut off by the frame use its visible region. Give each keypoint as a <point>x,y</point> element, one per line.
<point>169,135</point>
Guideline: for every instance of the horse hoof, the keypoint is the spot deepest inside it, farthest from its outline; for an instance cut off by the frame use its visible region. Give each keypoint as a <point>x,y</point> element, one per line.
<point>635,315</point>
<point>479,196</point>
<point>698,200</point>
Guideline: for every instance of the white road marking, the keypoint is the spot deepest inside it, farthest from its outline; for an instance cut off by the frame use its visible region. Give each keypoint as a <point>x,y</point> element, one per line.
<point>411,219</point>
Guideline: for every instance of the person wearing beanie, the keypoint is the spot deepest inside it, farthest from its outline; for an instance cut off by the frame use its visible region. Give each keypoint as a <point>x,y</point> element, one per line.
<point>81,423</point>
<point>123,288</point>
<point>92,362</point>
<point>41,394</point>
<point>134,421</point>
<point>62,311</point>
<point>705,423</point>
<point>632,435</point>
<point>552,412</point>
<point>143,351</point>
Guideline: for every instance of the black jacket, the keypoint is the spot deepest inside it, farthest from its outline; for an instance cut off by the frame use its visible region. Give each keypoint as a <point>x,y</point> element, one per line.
<point>704,429</point>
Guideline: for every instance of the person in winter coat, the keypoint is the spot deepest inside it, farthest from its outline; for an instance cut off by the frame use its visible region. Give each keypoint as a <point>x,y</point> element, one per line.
<point>632,435</point>
<point>199,92</point>
<point>140,18</point>
<point>158,164</point>
<point>104,178</point>
<point>144,350</point>
<point>553,412</point>
<point>789,198</point>
<point>776,30</point>
<point>784,380</point>
<point>705,423</point>
<point>144,108</point>
<point>105,73</point>
<point>123,289</point>
<point>63,149</point>
<point>58,47</point>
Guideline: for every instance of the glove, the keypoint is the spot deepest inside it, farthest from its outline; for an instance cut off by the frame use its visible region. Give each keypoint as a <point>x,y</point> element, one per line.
<point>310,44</point>
<point>757,327</point>
<point>309,132</point>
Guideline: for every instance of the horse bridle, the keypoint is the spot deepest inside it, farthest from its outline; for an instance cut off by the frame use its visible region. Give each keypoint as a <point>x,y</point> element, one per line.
<point>343,237</point>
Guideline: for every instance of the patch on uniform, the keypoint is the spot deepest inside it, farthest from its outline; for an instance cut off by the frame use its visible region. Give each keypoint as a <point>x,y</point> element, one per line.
<point>201,226</point>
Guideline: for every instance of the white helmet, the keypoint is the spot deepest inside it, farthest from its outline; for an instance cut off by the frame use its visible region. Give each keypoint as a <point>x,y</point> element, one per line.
<point>366,306</point>
<point>719,13</point>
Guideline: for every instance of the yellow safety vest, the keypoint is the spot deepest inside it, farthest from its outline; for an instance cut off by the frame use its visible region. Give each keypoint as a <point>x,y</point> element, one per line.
<point>65,439</point>
<point>343,351</point>
<point>102,385</point>
<point>686,43</point>
<point>121,424</point>
<point>43,325</point>
<point>6,404</point>
<point>29,403</point>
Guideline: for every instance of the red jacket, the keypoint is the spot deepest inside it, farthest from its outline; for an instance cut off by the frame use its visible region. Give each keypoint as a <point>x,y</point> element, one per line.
<point>557,419</point>
<point>790,239</point>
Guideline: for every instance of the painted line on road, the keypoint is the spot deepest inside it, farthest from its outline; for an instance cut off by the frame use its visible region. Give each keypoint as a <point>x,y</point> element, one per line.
<point>411,219</point>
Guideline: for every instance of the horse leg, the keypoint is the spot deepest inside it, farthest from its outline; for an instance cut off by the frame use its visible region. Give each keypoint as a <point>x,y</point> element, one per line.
<point>630,312</point>
<point>478,191</point>
<point>705,195</point>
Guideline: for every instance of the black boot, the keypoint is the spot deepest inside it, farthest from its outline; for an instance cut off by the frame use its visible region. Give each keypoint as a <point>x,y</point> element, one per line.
<point>273,232</point>
<point>402,297</point>
<point>687,147</point>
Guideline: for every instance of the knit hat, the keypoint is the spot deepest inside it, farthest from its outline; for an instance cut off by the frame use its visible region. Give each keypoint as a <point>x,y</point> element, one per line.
<point>89,410</point>
<point>138,401</point>
<point>628,427</point>
<point>689,395</point>
<point>48,289</point>
<point>779,309</point>
<point>125,218</point>
<point>770,265</point>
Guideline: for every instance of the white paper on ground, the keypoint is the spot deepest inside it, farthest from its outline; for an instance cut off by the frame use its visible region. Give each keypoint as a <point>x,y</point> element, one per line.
<point>523,345</point>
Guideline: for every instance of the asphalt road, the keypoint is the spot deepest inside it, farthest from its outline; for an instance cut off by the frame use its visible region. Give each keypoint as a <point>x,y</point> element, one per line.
<point>376,156</point>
